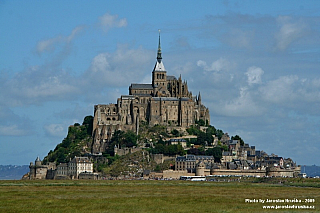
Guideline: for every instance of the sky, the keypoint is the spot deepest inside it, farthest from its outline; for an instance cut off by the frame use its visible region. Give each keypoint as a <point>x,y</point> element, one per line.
<point>256,64</point>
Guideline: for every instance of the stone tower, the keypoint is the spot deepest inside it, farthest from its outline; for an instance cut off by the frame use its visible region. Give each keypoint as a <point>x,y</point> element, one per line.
<point>200,169</point>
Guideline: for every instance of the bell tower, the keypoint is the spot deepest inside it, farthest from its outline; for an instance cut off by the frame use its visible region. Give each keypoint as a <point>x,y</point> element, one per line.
<point>159,73</point>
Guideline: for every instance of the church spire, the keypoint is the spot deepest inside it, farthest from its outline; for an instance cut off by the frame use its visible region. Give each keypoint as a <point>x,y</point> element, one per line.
<point>159,57</point>
<point>199,99</point>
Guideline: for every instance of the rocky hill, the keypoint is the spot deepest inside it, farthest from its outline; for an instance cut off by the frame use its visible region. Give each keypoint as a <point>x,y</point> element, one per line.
<point>77,143</point>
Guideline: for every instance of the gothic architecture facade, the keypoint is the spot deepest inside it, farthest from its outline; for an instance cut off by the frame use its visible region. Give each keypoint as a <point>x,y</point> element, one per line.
<point>166,101</point>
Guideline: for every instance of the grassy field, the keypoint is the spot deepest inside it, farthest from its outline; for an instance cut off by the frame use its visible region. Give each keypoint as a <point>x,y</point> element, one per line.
<point>150,196</point>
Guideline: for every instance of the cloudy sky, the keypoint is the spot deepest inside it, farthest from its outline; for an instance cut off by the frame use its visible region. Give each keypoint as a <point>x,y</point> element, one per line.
<point>256,64</point>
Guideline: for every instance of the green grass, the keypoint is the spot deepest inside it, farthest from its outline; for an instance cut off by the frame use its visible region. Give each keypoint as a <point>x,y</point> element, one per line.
<point>145,196</point>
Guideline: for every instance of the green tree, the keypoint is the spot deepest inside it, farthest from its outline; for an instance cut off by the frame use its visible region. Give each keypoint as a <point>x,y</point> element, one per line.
<point>88,122</point>
<point>201,122</point>
<point>124,139</point>
<point>204,138</point>
<point>237,137</point>
<point>130,139</point>
<point>219,133</point>
<point>175,133</point>
<point>192,130</point>
<point>211,130</point>
<point>217,154</point>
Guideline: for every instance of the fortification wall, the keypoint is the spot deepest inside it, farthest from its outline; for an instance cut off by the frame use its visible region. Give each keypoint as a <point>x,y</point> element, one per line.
<point>277,172</point>
<point>255,173</point>
<point>176,174</point>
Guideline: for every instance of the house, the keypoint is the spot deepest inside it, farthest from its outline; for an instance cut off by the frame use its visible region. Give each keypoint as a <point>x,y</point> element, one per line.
<point>79,165</point>
<point>182,142</point>
<point>189,162</point>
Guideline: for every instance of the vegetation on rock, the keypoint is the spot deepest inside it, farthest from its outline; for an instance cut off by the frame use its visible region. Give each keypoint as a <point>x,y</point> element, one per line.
<point>79,142</point>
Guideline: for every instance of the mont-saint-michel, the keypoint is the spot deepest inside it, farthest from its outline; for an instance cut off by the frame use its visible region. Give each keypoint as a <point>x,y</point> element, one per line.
<point>159,130</point>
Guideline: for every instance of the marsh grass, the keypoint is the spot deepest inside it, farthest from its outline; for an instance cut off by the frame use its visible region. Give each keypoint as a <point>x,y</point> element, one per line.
<point>143,196</point>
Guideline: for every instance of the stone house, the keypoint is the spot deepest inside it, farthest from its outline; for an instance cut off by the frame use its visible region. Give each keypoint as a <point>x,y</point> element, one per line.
<point>189,162</point>
<point>79,165</point>
<point>40,171</point>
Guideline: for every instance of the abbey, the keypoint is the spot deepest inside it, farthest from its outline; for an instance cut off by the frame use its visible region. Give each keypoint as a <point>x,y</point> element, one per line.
<point>166,101</point>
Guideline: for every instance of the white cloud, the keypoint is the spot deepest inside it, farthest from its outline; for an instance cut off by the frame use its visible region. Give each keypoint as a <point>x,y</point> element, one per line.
<point>55,130</point>
<point>218,65</point>
<point>120,68</point>
<point>281,90</point>
<point>108,21</point>
<point>241,106</point>
<point>290,31</point>
<point>49,45</point>
<point>254,75</point>
<point>12,130</point>
<point>37,85</point>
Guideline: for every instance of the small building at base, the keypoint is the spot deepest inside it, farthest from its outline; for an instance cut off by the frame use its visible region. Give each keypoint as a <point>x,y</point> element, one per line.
<point>77,168</point>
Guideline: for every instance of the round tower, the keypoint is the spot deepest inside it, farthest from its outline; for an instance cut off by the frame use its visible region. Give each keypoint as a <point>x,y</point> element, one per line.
<point>200,169</point>
<point>38,161</point>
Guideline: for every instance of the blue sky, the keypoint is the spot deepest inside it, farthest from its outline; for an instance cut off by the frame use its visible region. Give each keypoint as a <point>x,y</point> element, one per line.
<point>256,64</point>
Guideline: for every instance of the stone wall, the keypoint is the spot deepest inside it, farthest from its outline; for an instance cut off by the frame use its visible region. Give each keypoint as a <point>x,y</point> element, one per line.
<point>255,173</point>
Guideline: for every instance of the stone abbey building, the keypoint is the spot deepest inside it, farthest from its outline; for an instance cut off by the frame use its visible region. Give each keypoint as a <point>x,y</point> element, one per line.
<point>166,101</point>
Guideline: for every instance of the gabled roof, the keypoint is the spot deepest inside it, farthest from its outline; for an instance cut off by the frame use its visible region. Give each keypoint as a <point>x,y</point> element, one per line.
<point>141,86</point>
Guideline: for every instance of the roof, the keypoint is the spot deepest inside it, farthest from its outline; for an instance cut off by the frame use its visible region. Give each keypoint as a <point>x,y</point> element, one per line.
<point>226,153</point>
<point>194,158</point>
<point>170,99</point>
<point>141,86</point>
<point>177,140</point>
<point>127,97</point>
<point>171,77</point>
<point>165,99</point>
<point>159,67</point>
<point>234,142</point>
<point>80,160</point>
<point>143,95</point>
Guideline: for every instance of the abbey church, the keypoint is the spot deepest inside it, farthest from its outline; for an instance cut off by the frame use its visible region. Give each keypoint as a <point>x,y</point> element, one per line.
<point>166,101</point>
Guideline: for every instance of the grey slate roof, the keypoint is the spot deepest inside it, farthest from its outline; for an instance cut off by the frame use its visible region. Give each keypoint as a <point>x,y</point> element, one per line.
<point>127,97</point>
<point>171,77</point>
<point>165,98</point>
<point>169,99</point>
<point>194,158</point>
<point>141,86</point>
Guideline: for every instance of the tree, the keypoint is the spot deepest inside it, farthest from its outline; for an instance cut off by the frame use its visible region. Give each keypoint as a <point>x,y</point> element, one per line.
<point>175,133</point>
<point>88,122</point>
<point>195,151</point>
<point>237,137</point>
<point>127,139</point>
<point>204,139</point>
<point>216,153</point>
<point>219,133</point>
<point>192,130</point>
<point>201,122</point>
<point>130,139</point>
<point>211,130</point>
